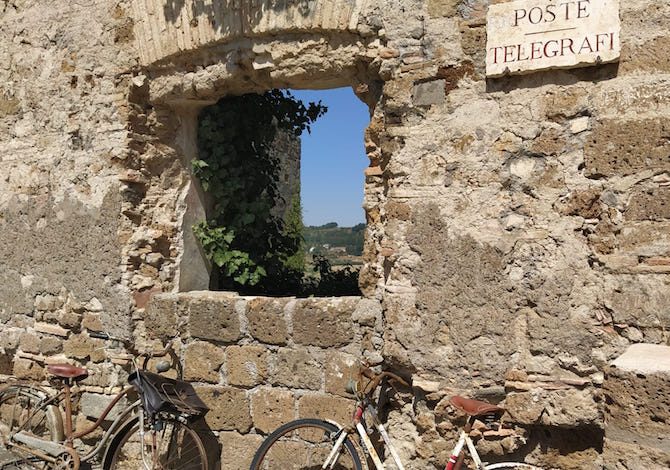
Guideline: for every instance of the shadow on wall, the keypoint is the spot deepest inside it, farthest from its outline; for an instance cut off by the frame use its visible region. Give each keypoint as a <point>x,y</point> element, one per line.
<point>251,12</point>
<point>211,443</point>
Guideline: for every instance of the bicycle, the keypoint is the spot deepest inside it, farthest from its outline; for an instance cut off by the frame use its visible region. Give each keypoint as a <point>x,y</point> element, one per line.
<point>315,443</point>
<point>153,432</point>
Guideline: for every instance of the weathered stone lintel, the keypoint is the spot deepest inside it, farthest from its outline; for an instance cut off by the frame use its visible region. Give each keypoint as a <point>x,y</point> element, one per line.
<point>162,30</point>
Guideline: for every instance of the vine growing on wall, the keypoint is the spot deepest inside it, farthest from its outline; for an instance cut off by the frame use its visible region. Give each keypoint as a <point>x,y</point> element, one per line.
<point>254,249</point>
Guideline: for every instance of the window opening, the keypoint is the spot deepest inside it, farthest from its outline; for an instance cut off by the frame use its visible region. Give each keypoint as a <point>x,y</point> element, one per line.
<point>249,164</point>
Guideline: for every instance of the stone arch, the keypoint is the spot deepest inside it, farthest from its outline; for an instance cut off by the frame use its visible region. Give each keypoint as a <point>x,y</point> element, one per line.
<point>188,67</point>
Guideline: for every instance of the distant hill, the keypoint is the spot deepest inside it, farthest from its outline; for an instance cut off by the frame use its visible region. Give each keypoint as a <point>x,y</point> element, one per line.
<point>329,239</point>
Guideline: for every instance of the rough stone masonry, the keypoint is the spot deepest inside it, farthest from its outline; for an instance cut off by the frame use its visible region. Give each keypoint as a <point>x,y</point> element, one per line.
<point>518,237</point>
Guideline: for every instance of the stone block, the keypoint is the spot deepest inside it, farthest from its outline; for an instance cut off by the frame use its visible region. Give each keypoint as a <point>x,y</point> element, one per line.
<point>429,93</point>
<point>83,347</point>
<point>324,406</point>
<point>9,106</point>
<point>202,362</point>
<point>438,8</point>
<point>398,210</point>
<point>640,303</point>
<point>563,408</point>
<point>340,368</point>
<point>558,448</point>
<point>93,404</point>
<point>161,316</point>
<point>70,320</point>
<point>298,368</point>
<point>583,203</point>
<point>102,375</point>
<point>30,343</point>
<point>452,75</point>
<point>634,454</point>
<point>51,329</point>
<point>237,450</point>
<point>142,298</point>
<point>653,204</point>
<point>266,320</point>
<point>648,56</point>
<point>324,322</point>
<point>92,322</point>
<point>27,369</point>
<point>47,302</point>
<point>228,408</point>
<point>551,335</point>
<point>6,363</point>
<point>637,402</point>
<point>271,408</point>
<point>637,407</point>
<point>550,142</point>
<point>10,338</point>
<point>473,42</point>
<point>246,366</point>
<point>579,124</point>
<point>50,345</point>
<point>624,147</point>
<point>214,317</point>
<point>81,421</point>
<point>367,312</point>
<point>648,239</point>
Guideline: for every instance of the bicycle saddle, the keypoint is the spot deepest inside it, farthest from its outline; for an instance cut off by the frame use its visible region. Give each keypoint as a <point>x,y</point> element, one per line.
<point>475,407</point>
<point>67,371</point>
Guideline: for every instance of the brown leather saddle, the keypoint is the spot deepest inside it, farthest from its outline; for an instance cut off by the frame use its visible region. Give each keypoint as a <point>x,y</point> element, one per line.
<point>67,371</point>
<point>476,407</point>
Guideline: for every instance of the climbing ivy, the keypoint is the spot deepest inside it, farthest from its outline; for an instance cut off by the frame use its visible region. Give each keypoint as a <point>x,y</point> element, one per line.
<point>254,249</point>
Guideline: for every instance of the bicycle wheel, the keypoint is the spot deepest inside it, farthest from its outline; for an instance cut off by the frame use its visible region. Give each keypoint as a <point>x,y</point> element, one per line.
<point>305,444</point>
<point>167,445</point>
<point>21,409</point>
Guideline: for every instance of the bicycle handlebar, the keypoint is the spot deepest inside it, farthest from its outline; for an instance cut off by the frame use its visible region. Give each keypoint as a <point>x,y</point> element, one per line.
<point>101,335</point>
<point>375,379</point>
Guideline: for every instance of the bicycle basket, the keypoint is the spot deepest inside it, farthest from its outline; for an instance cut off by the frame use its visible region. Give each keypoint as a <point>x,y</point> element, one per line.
<point>162,394</point>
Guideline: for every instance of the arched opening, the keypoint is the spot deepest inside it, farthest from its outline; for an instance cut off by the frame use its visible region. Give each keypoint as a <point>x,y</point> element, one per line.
<point>251,150</point>
<point>186,69</point>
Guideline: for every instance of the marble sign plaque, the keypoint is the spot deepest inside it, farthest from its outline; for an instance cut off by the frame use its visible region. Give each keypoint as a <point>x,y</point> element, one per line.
<point>529,35</point>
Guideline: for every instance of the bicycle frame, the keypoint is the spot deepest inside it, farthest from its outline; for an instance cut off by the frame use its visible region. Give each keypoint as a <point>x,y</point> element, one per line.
<point>455,461</point>
<point>50,451</point>
<point>42,448</point>
<point>464,440</point>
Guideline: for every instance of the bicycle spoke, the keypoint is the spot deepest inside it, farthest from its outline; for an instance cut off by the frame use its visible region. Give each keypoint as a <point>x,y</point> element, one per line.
<point>182,451</point>
<point>305,445</point>
<point>174,445</point>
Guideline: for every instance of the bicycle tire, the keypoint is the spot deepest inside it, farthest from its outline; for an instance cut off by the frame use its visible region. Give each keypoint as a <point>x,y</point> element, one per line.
<point>124,451</point>
<point>284,450</point>
<point>21,409</point>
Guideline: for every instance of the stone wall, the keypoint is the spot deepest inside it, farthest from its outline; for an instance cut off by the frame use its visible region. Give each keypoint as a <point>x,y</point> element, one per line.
<point>64,68</point>
<point>261,362</point>
<point>257,362</point>
<point>518,227</point>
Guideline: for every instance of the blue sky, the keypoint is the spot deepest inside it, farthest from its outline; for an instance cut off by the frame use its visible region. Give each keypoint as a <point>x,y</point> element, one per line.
<point>333,159</point>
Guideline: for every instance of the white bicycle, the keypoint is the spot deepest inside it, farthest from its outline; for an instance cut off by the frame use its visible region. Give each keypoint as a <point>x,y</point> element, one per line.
<point>317,444</point>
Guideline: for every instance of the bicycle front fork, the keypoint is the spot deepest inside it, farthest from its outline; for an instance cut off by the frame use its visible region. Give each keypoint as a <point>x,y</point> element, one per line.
<point>457,455</point>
